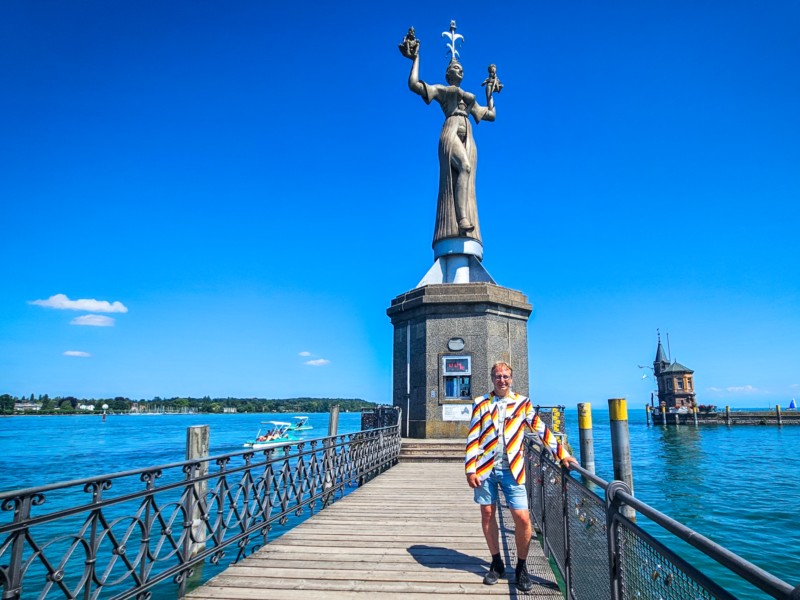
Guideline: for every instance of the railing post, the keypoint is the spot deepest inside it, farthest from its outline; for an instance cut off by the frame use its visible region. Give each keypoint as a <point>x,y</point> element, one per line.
<point>198,439</point>
<point>612,531</point>
<point>778,414</point>
<point>586,436</point>
<point>621,446</point>
<point>565,521</point>
<point>542,502</point>
<point>13,587</point>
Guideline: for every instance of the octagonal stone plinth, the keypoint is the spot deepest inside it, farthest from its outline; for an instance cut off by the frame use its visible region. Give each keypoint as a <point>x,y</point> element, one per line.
<point>481,321</point>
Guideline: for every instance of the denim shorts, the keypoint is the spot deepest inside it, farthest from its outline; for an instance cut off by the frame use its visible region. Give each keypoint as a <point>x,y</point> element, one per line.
<point>516,496</point>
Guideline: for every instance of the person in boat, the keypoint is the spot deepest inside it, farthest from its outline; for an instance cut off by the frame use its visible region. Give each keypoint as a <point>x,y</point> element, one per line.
<point>494,459</point>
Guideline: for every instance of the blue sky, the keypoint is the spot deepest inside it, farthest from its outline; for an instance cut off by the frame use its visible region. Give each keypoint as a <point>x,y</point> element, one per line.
<point>246,186</point>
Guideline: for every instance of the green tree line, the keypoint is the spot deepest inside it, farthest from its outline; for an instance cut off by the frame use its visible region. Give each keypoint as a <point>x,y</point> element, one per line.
<point>71,405</point>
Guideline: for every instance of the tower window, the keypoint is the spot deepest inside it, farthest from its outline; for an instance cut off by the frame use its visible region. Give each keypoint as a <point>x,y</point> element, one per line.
<point>457,372</point>
<point>458,387</point>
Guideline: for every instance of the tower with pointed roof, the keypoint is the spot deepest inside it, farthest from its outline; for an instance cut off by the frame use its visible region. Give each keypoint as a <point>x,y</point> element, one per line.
<point>661,362</point>
<point>675,381</point>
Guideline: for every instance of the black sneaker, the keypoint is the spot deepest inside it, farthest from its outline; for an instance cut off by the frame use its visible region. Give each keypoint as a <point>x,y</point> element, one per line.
<point>524,582</point>
<point>493,575</point>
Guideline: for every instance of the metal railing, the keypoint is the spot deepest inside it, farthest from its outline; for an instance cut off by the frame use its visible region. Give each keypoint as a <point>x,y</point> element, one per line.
<point>601,554</point>
<point>129,534</point>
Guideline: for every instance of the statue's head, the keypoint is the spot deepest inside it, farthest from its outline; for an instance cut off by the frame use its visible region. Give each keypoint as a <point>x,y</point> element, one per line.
<point>455,73</point>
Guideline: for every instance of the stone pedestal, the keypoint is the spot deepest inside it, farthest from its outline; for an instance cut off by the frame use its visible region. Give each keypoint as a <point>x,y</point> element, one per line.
<point>473,324</point>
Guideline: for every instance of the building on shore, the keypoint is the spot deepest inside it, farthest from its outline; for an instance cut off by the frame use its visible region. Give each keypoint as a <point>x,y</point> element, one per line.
<point>675,382</point>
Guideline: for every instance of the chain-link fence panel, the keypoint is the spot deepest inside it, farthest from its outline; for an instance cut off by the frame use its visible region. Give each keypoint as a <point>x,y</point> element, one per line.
<point>534,477</point>
<point>588,543</point>
<point>554,512</point>
<point>646,571</point>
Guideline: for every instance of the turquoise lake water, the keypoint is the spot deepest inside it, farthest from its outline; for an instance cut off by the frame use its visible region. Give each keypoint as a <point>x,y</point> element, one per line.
<point>739,486</point>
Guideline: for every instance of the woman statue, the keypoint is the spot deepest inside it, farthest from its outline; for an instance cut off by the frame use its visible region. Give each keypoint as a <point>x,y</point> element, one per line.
<point>456,209</point>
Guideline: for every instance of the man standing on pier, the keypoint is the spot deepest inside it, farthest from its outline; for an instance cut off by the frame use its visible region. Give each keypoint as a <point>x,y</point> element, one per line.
<point>494,458</point>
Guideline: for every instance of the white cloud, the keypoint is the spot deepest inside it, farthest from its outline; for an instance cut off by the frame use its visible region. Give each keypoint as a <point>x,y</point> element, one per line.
<point>93,320</point>
<point>318,362</point>
<point>714,389</point>
<point>76,353</point>
<point>61,302</point>
<point>304,353</point>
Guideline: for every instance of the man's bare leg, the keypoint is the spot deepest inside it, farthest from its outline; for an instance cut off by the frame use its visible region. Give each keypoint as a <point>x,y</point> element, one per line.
<point>522,535</point>
<point>490,530</point>
<point>492,534</point>
<point>522,531</point>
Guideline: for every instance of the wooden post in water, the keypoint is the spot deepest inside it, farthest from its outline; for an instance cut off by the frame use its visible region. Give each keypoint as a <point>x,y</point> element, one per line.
<point>198,439</point>
<point>586,437</point>
<point>621,446</point>
<point>646,412</point>
<point>333,424</point>
<point>330,451</point>
<point>694,415</point>
<point>727,415</point>
<point>664,416</point>
<point>778,413</point>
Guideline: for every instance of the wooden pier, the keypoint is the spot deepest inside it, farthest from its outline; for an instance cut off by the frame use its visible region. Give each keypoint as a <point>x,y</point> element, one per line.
<point>412,532</point>
<point>725,417</point>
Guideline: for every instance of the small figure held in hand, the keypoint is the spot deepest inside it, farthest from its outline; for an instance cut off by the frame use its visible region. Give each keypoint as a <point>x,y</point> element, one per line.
<point>492,82</point>
<point>410,45</point>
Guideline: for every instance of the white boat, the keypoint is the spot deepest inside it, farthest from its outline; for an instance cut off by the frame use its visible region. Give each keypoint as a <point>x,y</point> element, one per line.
<point>300,424</point>
<point>276,432</point>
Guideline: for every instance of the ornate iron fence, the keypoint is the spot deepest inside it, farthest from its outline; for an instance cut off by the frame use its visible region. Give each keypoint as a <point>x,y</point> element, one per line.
<point>121,535</point>
<point>601,554</point>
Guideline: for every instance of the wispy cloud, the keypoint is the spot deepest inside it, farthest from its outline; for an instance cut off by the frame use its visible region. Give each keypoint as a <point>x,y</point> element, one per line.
<point>744,389</point>
<point>62,302</point>
<point>78,353</point>
<point>93,321</point>
<point>314,362</point>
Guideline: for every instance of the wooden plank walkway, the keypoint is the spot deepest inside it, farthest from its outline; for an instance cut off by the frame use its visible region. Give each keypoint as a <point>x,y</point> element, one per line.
<point>412,532</point>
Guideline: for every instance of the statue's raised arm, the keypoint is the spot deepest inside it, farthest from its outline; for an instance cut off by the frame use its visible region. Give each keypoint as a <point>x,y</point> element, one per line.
<point>456,211</point>
<point>410,49</point>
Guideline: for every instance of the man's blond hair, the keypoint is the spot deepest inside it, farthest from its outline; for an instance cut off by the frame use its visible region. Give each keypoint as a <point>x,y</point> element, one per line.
<point>501,363</point>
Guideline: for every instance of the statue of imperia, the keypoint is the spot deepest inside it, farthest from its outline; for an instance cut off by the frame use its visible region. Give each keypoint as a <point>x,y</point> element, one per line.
<point>456,209</point>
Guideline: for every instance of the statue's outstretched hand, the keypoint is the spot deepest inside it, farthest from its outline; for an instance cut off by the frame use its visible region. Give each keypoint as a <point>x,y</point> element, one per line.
<point>409,48</point>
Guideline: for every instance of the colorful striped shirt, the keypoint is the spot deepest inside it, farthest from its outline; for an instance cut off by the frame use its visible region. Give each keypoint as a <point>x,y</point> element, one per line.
<point>483,436</point>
